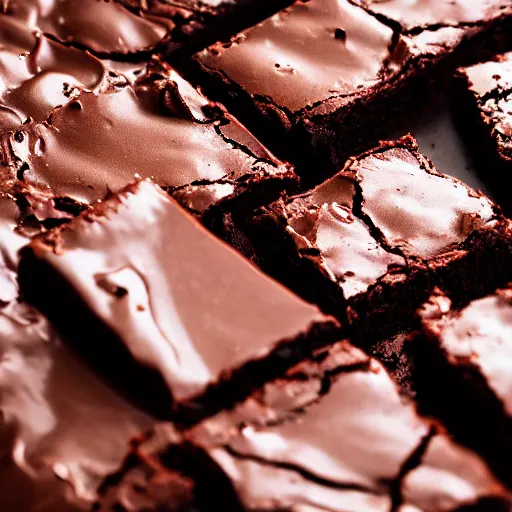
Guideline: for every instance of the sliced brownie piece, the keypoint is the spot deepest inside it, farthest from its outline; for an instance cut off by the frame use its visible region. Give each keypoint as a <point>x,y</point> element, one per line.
<point>482,99</point>
<point>370,244</point>
<point>164,308</point>
<point>62,430</point>
<point>152,124</point>
<point>100,26</point>
<point>333,436</point>
<point>309,79</point>
<point>465,374</point>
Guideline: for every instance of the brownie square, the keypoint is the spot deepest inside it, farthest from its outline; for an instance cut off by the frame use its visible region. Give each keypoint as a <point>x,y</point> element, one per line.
<point>333,435</point>
<point>173,315</point>
<point>75,129</point>
<point>464,377</point>
<point>370,244</point>
<point>198,23</point>
<point>63,430</point>
<point>482,100</point>
<point>321,80</point>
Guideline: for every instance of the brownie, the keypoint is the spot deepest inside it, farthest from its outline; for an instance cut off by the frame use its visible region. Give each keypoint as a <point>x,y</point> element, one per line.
<point>370,244</point>
<point>333,435</point>
<point>309,79</point>
<point>482,100</point>
<point>62,430</point>
<point>464,376</point>
<point>190,324</point>
<point>102,27</point>
<point>74,128</point>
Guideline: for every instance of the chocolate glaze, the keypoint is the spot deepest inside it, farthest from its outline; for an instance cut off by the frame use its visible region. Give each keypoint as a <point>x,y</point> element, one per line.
<point>39,74</point>
<point>63,431</point>
<point>181,302</point>
<point>101,26</point>
<point>335,435</point>
<point>98,141</point>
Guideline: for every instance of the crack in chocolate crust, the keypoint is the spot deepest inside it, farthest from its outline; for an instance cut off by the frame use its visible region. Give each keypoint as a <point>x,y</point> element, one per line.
<point>173,115</point>
<point>345,247</point>
<point>239,457</point>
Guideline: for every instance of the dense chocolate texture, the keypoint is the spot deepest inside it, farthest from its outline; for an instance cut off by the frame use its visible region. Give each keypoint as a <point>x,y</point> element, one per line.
<point>482,99</point>
<point>313,75</point>
<point>371,243</point>
<point>199,23</point>
<point>464,373</point>
<point>75,128</point>
<point>335,436</point>
<point>100,26</point>
<point>167,296</point>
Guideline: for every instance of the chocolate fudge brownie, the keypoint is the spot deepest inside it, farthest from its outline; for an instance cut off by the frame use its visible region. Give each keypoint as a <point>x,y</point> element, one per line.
<point>464,372</point>
<point>157,294</point>
<point>333,436</point>
<point>62,430</point>
<point>370,244</point>
<point>482,100</point>
<point>74,128</point>
<point>320,80</point>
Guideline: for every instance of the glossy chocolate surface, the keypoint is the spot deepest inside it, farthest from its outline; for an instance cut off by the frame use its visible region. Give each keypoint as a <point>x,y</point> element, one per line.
<point>306,53</point>
<point>99,142</point>
<point>385,210</point>
<point>149,271</point>
<point>98,25</point>
<point>78,127</point>
<point>313,53</point>
<point>340,447</point>
<point>62,429</point>
<point>490,83</point>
